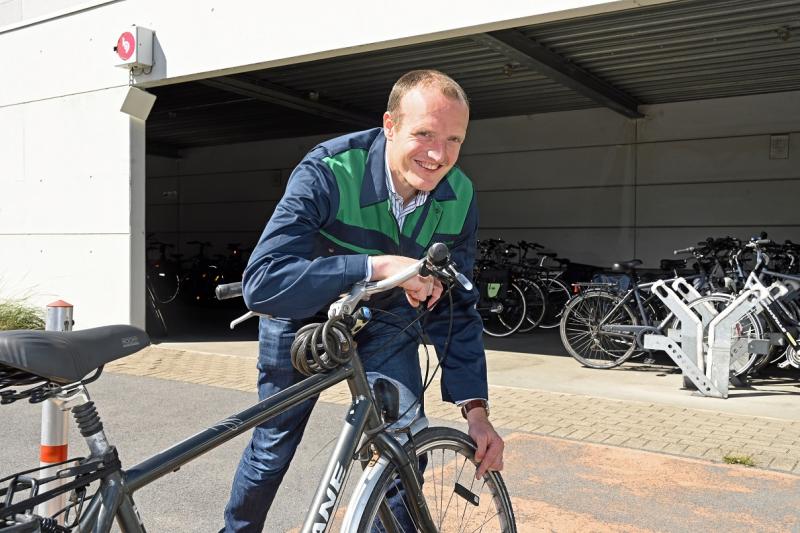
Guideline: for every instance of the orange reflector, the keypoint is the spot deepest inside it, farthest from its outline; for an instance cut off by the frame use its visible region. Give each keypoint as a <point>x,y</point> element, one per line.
<point>52,454</point>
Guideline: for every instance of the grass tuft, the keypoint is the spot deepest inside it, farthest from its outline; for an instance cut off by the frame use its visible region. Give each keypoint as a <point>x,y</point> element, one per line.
<point>16,314</point>
<point>733,459</point>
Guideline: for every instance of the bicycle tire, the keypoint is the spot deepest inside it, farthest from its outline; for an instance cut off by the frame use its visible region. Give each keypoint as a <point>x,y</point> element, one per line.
<point>582,337</point>
<point>166,286</point>
<point>456,514</point>
<point>535,304</point>
<point>155,310</point>
<point>557,294</point>
<point>511,315</point>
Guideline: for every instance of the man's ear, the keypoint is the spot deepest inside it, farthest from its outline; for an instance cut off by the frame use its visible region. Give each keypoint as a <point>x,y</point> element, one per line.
<point>388,125</point>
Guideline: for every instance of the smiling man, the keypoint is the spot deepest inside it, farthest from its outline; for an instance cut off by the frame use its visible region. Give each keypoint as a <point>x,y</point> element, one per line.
<point>363,207</point>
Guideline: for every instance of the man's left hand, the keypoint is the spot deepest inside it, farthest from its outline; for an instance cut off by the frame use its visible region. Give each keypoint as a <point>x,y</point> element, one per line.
<point>489,452</point>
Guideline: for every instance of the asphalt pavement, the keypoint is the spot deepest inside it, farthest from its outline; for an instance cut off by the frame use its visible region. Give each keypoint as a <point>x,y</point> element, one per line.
<point>557,484</point>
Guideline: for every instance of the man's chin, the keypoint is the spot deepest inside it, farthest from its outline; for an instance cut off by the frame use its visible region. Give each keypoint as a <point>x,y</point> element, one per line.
<point>426,185</point>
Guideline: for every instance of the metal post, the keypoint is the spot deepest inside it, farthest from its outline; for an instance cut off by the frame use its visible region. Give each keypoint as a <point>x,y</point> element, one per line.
<point>53,448</point>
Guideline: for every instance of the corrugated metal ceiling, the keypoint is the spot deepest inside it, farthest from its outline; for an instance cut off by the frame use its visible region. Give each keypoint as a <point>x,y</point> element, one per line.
<point>686,50</point>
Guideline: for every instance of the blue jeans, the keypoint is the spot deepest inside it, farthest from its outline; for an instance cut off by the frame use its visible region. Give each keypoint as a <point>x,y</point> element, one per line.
<point>269,453</point>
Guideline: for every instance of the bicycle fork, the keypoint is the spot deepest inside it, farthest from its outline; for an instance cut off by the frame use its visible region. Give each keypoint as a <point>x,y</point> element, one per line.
<point>362,414</point>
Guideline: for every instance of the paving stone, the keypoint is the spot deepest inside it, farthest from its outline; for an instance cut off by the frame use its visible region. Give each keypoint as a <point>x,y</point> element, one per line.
<point>783,463</point>
<point>597,437</point>
<point>695,451</point>
<point>674,448</point>
<point>563,432</point>
<point>616,439</point>
<point>654,446</point>
<point>641,425</point>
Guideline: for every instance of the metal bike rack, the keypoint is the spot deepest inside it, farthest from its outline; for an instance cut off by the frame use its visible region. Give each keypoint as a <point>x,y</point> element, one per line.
<point>720,330</point>
<point>707,313</point>
<point>685,290</point>
<point>689,353</point>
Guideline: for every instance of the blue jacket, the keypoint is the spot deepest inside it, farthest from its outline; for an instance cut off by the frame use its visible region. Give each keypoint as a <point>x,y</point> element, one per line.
<point>333,215</point>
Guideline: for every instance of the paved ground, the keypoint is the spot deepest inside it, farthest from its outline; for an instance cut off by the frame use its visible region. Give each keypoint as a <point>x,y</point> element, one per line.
<point>557,484</point>
<point>638,406</point>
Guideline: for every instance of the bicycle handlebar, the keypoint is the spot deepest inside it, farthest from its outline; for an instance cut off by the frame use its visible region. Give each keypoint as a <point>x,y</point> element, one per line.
<point>684,250</point>
<point>228,290</point>
<point>436,263</point>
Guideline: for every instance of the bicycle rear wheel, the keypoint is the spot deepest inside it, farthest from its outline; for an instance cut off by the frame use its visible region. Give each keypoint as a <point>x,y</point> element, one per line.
<point>506,313</point>
<point>457,501</point>
<point>584,339</point>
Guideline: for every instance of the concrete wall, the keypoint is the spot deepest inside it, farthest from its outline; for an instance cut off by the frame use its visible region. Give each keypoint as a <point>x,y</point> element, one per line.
<point>71,171</point>
<point>589,184</point>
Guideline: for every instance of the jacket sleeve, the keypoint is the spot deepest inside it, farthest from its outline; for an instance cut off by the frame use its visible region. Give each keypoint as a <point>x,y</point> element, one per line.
<point>282,277</point>
<point>464,367</point>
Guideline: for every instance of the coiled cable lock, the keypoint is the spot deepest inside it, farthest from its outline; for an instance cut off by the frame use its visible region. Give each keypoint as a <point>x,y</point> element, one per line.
<point>322,347</point>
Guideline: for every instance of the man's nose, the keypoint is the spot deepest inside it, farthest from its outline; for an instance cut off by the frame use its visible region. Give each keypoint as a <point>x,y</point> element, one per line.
<point>437,152</point>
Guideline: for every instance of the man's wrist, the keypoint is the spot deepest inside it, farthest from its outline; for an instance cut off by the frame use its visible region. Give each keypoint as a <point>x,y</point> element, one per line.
<point>369,269</point>
<point>476,404</point>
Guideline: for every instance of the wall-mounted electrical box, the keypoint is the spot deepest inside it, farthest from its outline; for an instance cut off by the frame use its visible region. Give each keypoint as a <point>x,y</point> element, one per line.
<point>135,48</point>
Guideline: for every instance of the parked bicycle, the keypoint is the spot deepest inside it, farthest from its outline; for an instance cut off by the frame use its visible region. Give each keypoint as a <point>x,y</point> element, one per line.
<point>603,327</point>
<point>201,274</point>
<point>434,465</point>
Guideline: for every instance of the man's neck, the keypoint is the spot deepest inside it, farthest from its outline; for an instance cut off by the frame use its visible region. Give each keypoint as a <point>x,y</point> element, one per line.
<point>406,191</point>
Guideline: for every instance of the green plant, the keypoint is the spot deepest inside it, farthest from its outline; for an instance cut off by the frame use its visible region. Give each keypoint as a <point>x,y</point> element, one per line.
<point>733,459</point>
<point>17,314</point>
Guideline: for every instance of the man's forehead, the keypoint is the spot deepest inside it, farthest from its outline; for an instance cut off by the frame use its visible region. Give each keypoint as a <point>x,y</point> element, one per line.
<point>427,99</point>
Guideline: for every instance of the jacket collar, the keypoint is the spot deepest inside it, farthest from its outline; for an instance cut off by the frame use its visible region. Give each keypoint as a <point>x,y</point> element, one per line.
<point>374,189</point>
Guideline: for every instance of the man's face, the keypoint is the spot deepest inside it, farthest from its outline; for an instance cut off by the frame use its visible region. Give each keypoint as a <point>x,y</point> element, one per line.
<point>424,146</point>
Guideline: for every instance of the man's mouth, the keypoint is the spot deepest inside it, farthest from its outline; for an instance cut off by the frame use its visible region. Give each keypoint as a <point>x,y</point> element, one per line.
<point>428,166</point>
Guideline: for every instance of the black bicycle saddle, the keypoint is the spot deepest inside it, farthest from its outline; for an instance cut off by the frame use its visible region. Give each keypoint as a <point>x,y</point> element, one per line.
<point>68,356</point>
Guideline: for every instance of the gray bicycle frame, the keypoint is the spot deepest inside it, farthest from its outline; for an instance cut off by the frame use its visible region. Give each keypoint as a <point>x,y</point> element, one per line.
<point>114,497</point>
<point>629,329</point>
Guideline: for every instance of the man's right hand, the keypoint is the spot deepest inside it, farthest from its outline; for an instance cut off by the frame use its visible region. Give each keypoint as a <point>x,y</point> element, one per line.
<point>417,288</point>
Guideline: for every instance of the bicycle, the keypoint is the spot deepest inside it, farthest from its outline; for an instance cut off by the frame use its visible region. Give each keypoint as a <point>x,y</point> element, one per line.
<point>601,328</point>
<point>327,354</point>
<point>163,274</point>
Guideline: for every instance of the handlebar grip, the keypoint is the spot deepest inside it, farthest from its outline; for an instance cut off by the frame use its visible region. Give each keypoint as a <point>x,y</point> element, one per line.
<point>684,250</point>
<point>228,290</point>
<point>438,254</point>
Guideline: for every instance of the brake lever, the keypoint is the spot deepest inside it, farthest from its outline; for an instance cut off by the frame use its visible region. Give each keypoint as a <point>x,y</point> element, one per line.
<point>460,278</point>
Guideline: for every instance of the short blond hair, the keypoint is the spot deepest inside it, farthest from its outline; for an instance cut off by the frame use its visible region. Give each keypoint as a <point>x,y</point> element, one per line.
<point>424,78</point>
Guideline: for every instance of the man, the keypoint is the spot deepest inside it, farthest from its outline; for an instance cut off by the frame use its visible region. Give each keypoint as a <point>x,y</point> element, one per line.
<point>365,206</point>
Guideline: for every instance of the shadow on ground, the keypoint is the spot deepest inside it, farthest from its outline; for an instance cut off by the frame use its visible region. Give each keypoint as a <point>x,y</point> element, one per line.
<point>210,323</point>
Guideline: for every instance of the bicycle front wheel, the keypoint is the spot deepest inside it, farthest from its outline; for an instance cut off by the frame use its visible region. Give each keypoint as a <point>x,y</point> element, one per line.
<point>535,304</point>
<point>585,339</point>
<point>457,501</point>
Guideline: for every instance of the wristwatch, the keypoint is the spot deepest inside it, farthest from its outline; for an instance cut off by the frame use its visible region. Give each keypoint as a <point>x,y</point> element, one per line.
<point>472,404</point>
